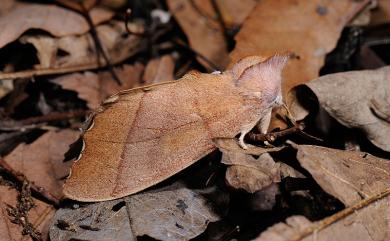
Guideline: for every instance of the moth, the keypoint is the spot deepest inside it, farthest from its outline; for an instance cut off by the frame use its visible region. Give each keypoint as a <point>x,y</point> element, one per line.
<point>142,136</point>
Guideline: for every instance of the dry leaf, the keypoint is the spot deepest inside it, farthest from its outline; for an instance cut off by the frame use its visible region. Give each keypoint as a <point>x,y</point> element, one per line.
<point>94,88</point>
<point>309,29</point>
<point>51,18</point>
<point>150,133</point>
<point>369,221</point>
<point>42,160</point>
<point>381,15</point>
<point>248,173</point>
<point>39,216</point>
<point>199,21</point>
<point>81,50</point>
<point>357,99</point>
<point>172,213</point>
<point>159,70</point>
<point>348,175</point>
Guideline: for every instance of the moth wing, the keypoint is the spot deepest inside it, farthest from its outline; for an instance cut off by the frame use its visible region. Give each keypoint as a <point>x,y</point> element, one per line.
<point>146,136</point>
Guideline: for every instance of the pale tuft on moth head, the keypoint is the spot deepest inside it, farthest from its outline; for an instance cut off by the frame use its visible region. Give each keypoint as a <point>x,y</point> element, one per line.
<point>255,74</point>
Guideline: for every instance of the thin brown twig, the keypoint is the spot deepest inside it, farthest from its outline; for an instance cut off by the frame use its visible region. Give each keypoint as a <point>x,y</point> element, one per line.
<point>34,188</point>
<point>99,45</point>
<point>54,116</point>
<point>221,23</point>
<point>272,136</point>
<point>35,121</point>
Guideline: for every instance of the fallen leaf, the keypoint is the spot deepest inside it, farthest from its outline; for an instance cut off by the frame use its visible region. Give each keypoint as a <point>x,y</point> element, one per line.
<point>42,161</point>
<point>94,88</point>
<point>248,173</point>
<point>171,213</point>
<point>81,50</point>
<point>356,99</point>
<point>159,70</point>
<point>150,133</point>
<point>205,35</point>
<point>349,176</point>
<point>280,26</point>
<point>367,221</point>
<point>40,216</point>
<point>51,18</point>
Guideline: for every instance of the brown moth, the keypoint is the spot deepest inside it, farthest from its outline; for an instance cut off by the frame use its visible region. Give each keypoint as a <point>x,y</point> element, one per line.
<point>142,136</point>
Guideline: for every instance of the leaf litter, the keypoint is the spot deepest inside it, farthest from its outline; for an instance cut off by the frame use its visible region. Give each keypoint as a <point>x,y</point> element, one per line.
<point>307,182</point>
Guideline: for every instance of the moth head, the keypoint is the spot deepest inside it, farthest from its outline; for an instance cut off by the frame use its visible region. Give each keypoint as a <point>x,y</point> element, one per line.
<point>259,74</point>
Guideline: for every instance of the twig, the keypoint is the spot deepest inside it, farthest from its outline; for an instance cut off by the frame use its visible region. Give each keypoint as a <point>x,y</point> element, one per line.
<point>222,24</point>
<point>35,122</point>
<point>340,215</point>
<point>271,137</point>
<point>54,116</point>
<point>209,62</point>
<point>34,188</point>
<point>99,45</point>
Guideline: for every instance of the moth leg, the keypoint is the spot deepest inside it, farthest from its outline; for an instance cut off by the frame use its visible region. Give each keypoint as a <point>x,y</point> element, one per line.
<point>264,122</point>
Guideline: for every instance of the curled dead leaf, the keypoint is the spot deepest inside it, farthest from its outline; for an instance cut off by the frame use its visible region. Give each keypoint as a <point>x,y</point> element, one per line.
<point>356,99</point>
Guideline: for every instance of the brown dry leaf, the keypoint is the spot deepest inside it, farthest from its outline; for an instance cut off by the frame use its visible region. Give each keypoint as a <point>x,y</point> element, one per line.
<point>42,161</point>
<point>199,21</point>
<point>309,29</point>
<point>172,213</point>
<point>381,14</point>
<point>159,70</point>
<point>51,18</point>
<point>150,133</point>
<point>357,99</point>
<point>369,223</point>
<point>248,173</point>
<point>39,216</point>
<point>81,51</point>
<point>94,88</point>
<point>350,176</point>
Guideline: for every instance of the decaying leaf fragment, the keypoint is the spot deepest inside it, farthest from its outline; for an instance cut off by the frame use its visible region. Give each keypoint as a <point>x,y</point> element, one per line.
<point>171,213</point>
<point>142,136</point>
